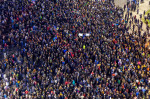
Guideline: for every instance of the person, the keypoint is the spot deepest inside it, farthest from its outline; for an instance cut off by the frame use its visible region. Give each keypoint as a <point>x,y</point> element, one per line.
<point>49,59</point>
<point>137,11</point>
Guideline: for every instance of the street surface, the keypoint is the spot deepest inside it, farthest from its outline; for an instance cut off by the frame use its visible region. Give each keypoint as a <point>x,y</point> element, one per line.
<point>120,3</point>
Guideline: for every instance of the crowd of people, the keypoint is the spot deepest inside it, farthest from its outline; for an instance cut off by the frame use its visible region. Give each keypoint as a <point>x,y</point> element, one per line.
<point>51,61</point>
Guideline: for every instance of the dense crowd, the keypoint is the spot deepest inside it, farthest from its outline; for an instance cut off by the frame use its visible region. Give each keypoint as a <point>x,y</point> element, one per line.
<point>51,61</point>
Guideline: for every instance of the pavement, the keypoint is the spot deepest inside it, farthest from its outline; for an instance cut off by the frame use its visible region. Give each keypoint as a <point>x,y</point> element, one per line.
<point>142,7</point>
<point>120,3</point>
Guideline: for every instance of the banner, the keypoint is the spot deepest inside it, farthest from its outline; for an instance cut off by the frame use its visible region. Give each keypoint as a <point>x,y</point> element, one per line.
<point>5,56</point>
<point>80,34</point>
<point>84,34</point>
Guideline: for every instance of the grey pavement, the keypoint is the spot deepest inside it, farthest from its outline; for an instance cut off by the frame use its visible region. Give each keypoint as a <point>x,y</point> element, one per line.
<point>120,3</point>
